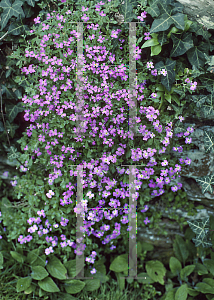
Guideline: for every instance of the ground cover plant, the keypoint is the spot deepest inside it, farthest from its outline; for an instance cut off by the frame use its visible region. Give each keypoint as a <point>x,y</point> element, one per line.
<point>43,185</point>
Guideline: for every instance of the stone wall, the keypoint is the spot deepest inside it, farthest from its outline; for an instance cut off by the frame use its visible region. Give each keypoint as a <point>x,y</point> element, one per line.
<point>200,11</point>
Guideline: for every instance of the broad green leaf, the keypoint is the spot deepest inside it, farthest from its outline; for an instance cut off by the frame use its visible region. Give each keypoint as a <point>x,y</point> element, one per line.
<point>182,292</point>
<point>175,265</point>
<point>56,268</point>
<point>23,284</point>
<point>31,2</point>
<point>13,110</point>
<point>9,11</point>
<point>195,55</point>
<point>180,249</point>
<point>167,18</point>
<point>29,290</point>
<point>39,273</point>
<point>48,285</point>
<point>204,288</point>
<point>74,286</point>
<point>126,10</point>
<point>120,263</point>
<point>200,269</point>
<point>171,295</point>
<point>155,50</point>
<point>17,256</point>
<point>40,261</point>
<point>150,43</point>
<point>11,128</point>
<point>32,256</point>
<point>156,270</point>
<point>92,285</point>
<point>181,43</point>
<point>209,264</point>
<point>186,271</point>
<point>144,278</point>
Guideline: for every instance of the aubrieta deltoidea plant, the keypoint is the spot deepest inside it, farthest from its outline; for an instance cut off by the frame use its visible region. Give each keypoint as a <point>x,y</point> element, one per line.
<point>51,100</point>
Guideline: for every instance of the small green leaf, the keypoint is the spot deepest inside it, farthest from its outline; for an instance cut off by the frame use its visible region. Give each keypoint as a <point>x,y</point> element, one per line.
<point>17,256</point>
<point>182,292</point>
<point>175,265</point>
<point>48,285</point>
<point>74,286</point>
<point>23,284</point>
<point>39,273</point>
<point>186,271</point>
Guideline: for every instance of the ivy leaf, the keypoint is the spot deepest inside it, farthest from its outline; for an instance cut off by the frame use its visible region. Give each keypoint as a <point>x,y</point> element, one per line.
<point>206,182</point>
<point>201,228</point>
<point>208,141</point>
<point>9,11</point>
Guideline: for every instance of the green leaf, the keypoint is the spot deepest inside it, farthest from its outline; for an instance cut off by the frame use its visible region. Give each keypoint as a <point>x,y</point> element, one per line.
<point>40,261</point>
<point>74,286</point>
<point>155,50</point>
<point>39,273</point>
<point>209,264</point>
<point>120,281</point>
<point>48,285</point>
<point>204,287</point>
<point>31,2</point>
<point>201,228</point>
<point>9,93</point>
<point>92,285</point>
<point>120,263</point>
<point>32,256</point>
<point>170,295</point>
<point>181,44</point>
<point>167,18</point>
<point>17,256</point>
<point>180,249</point>
<point>182,292</point>
<point>150,43</point>
<point>126,10</point>
<point>9,11</point>
<point>23,284</point>
<point>186,271</point>
<point>11,128</point>
<point>195,55</point>
<point>175,265</point>
<point>168,97</point>
<point>13,110</point>
<point>144,278</point>
<point>29,290</point>
<point>156,270</point>
<point>200,269</point>
<point>56,268</point>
